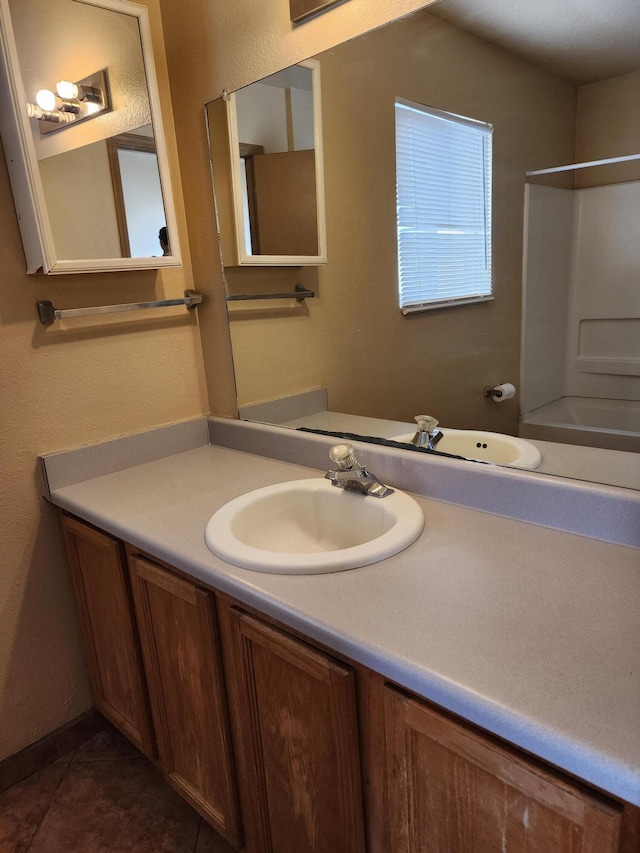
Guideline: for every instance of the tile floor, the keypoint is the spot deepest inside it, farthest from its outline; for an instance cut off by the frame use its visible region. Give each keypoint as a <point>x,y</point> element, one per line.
<point>104,796</point>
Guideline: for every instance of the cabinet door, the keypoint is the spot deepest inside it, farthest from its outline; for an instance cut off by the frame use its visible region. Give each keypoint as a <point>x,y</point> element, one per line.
<point>180,646</point>
<point>451,788</point>
<point>101,584</point>
<point>298,722</point>
<point>285,201</point>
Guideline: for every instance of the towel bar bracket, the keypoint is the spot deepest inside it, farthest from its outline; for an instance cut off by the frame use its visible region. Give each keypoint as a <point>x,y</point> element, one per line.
<point>47,314</point>
<point>300,294</point>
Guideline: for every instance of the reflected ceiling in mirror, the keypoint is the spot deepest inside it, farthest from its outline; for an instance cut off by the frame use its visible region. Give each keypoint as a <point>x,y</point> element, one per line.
<point>100,185</point>
<point>351,355</point>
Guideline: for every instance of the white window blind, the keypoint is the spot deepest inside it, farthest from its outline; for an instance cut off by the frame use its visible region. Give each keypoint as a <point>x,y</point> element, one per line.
<point>443,188</point>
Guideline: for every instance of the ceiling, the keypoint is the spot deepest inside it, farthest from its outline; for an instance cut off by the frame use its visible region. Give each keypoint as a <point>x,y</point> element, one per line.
<point>581,40</point>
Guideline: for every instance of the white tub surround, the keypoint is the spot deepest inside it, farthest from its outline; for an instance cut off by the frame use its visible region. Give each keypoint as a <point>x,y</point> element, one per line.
<point>587,421</point>
<point>530,633</point>
<point>580,361</point>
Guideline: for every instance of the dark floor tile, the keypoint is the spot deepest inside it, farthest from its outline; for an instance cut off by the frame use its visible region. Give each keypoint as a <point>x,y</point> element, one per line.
<point>120,806</point>
<point>106,745</point>
<point>210,842</point>
<point>23,806</point>
<point>66,758</point>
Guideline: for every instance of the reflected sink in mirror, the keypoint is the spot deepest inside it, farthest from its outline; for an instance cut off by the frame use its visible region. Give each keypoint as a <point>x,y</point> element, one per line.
<point>312,527</point>
<point>485,447</point>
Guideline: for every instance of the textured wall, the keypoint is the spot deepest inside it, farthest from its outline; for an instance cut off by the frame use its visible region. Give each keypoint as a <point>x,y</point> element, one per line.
<point>86,381</point>
<point>608,126</point>
<point>74,382</point>
<point>224,46</point>
<point>353,338</point>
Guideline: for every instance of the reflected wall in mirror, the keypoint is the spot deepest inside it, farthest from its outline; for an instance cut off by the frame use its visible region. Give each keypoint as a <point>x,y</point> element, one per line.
<point>94,195</point>
<point>352,342</point>
<point>276,170</point>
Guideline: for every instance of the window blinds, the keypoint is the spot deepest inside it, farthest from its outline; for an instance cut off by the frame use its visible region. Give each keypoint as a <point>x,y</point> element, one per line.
<point>443,187</point>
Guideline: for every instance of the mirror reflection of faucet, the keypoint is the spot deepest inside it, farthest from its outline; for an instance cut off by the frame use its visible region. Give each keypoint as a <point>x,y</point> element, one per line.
<point>353,476</point>
<point>427,434</point>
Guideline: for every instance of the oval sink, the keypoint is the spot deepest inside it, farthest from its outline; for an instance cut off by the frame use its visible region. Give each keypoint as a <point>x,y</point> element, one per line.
<point>485,447</point>
<point>312,527</point>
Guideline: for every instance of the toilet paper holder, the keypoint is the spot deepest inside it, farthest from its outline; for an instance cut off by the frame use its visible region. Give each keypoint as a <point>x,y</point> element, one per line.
<point>500,392</point>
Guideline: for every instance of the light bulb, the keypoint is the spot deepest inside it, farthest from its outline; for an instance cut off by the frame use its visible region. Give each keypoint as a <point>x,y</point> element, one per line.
<point>46,100</point>
<point>66,90</point>
<point>54,116</point>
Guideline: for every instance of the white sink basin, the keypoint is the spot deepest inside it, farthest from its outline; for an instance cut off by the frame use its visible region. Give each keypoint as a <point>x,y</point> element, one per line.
<point>312,527</point>
<point>485,446</point>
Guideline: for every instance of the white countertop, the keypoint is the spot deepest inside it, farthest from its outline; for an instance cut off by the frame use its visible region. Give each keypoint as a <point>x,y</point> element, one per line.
<point>531,633</point>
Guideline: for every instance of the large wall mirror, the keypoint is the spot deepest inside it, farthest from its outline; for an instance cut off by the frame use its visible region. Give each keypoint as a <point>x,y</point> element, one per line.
<point>88,166</point>
<point>556,92</point>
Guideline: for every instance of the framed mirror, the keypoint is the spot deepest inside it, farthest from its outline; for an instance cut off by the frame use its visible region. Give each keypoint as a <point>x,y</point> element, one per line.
<point>83,136</point>
<point>276,171</point>
<point>350,361</point>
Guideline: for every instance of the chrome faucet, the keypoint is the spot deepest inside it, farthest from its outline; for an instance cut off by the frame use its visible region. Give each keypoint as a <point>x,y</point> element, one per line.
<point>427,434</point>
<point>351,475</point>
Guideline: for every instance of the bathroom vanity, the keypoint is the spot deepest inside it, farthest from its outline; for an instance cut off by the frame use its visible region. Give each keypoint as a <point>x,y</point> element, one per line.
<point>477,692</point>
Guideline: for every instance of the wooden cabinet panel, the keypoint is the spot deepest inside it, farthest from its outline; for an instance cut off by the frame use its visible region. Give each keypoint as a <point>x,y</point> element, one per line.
<point>297,719</point>
<point>451,788</point>
<point>181,652</point>
<point>433,784</point>
<point>101,583</point>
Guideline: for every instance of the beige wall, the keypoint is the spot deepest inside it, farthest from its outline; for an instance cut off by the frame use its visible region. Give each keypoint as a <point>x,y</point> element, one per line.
<point>224,46</point>
<point>72,383</point>
<point>71,207</point>
<point>83,382</point>
<point>608,126</point>
<point>86,381</point>
<point>353,338</point>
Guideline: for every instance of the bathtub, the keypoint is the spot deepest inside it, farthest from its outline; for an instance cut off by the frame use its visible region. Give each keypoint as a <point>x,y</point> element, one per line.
<point>588,421</point>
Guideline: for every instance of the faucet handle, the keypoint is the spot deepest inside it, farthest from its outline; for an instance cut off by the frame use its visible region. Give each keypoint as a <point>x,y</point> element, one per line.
<point>344,456</point>
<point>426,423</point>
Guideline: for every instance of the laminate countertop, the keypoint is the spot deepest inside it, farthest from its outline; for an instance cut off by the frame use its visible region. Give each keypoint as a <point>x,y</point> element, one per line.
<point>529,632</point>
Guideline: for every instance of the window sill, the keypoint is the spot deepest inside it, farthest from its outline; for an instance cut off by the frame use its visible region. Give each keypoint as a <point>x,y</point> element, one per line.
<point>444,303</point>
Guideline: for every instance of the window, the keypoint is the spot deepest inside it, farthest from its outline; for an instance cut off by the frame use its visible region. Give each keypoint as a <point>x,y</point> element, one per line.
<point>443,189</point>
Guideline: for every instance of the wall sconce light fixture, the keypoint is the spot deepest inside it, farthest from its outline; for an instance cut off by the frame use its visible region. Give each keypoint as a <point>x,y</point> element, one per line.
<point>71,102</point>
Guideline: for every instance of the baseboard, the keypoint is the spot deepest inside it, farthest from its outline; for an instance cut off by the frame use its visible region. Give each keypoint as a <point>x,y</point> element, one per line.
<point>50,748</point>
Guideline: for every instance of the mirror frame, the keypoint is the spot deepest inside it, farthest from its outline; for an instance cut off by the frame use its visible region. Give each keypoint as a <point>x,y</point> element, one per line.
<point>243,253</point>
<point>22,162</point>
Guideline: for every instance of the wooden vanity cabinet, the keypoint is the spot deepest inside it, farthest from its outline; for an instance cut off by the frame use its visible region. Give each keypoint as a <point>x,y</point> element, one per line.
<point>101,584</point>
<point>181,650</point>
<point>296,731</point>
<point>450,787</point>
<point>303,723</point>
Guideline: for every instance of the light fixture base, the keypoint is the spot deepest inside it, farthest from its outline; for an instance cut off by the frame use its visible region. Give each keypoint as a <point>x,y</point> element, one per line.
<point>99,83</point>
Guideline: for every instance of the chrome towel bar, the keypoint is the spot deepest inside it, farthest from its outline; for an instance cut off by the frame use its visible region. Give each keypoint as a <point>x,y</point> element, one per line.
<point>47,314</point>
<point>301,293</point>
